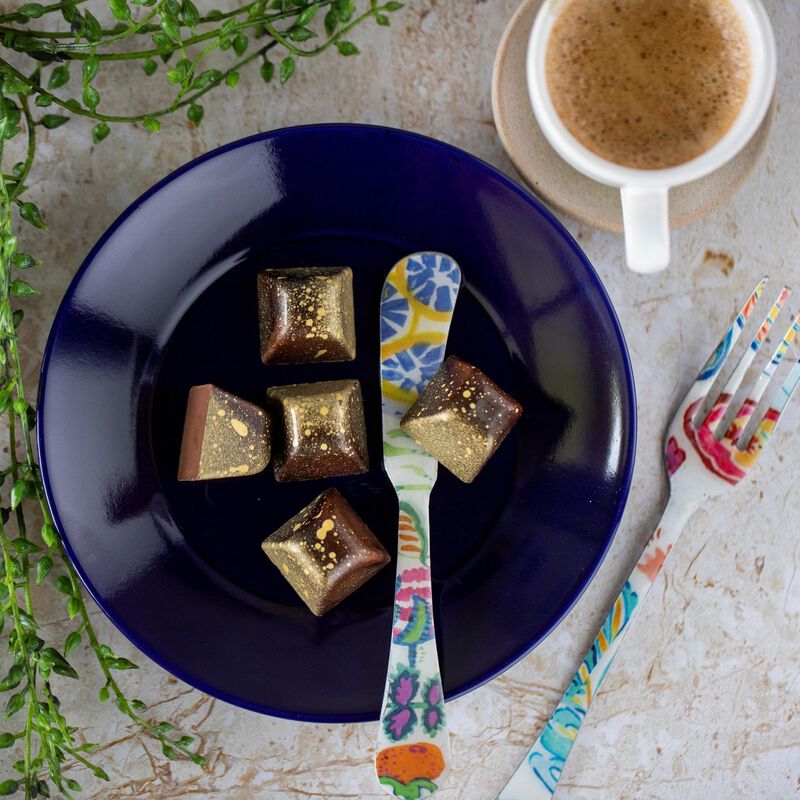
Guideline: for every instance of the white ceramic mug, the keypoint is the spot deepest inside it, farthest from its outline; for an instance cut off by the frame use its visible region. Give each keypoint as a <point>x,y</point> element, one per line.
<point>645,204</point>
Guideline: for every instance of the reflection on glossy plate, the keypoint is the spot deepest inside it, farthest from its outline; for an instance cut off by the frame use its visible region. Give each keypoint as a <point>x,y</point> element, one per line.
<point>167,299</point>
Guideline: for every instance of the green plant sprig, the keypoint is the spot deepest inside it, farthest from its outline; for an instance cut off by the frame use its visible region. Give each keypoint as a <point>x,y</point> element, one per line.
<point>34,74</point>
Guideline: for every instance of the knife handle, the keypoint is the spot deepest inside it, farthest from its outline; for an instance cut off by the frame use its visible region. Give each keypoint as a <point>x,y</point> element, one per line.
<point>413,743</point>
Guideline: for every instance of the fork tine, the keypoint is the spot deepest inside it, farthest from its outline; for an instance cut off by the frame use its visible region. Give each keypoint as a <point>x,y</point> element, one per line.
<point>765,429</point>
<point>720,355</point>
<point>715,415</point>
<point>749,405</point>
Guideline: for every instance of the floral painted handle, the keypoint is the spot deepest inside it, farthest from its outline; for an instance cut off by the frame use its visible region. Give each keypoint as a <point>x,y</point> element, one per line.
<point>537,775</point>
<point>413,747</point>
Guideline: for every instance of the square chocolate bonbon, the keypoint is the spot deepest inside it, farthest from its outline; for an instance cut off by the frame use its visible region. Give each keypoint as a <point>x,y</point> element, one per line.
<point>326,552</point>
<point>461,418</point>
<point>306,315</point>
<point>223,436</point>
<point>321,430</point>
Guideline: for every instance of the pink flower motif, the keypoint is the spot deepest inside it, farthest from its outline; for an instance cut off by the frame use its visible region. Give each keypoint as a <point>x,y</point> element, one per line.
<point>675,456</point>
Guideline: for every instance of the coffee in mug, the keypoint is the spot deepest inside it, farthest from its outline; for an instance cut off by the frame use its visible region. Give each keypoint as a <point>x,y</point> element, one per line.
<point>648,84</point>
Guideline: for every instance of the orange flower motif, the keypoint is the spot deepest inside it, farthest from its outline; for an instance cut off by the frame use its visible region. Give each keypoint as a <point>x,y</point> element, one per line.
<point>651,564</point>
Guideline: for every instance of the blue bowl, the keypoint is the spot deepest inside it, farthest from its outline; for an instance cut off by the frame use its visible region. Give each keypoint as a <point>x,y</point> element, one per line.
<point>166,300</point>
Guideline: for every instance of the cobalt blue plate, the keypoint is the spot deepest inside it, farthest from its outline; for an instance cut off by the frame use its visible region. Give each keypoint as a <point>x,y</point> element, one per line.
<point>167,299</point>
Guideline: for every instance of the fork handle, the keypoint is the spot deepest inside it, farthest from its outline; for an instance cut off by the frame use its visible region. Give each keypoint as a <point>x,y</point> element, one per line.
<point>537,775</point>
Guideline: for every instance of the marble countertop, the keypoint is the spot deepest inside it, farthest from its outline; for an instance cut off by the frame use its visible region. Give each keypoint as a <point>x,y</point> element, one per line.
<point>703,700</point>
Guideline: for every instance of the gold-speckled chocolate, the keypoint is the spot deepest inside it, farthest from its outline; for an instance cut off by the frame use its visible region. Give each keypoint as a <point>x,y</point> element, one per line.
<point>325,552</point>
<point>223,436</point>
<point>461,417</point>
<point>305,315</point>
<point>323,430</point>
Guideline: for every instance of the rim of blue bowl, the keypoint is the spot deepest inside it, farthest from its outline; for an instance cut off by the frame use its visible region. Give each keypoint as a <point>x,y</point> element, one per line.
<point>506,181</point>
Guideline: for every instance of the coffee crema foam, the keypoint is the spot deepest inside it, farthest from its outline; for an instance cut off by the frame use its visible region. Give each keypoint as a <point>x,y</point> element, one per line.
<point>648,84</point>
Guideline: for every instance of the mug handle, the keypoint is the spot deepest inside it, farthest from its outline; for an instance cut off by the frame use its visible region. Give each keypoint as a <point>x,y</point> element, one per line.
<point>645,216</point>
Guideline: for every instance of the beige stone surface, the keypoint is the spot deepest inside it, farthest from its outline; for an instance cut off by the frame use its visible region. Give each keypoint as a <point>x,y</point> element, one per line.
<point>702,701</point>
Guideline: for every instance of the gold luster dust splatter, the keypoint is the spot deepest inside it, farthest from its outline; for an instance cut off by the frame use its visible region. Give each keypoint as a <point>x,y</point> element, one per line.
<point>466,393</point>
<point>239,427</point>
<point>323,446</point>
<point>324,411</point>
<point>235,437</point>
<point>307,432</point>
<point>320,353</point>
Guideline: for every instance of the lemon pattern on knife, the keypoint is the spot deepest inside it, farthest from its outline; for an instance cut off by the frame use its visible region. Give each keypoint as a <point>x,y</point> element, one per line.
<point>416,308</point>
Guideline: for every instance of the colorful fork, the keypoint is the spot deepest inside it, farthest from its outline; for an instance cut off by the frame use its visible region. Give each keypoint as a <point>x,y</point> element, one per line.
<point>701,465</point>
<point>416,308</point>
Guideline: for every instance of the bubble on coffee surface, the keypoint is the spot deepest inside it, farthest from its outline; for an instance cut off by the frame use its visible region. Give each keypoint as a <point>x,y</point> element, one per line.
<point>648,83</point>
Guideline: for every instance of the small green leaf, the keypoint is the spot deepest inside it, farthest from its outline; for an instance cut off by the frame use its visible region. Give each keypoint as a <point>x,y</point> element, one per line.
<point>64,585</point>
<point>232,79</point>
<point>15,703</point>
<point>199,760</point>
<point>267,71</point>
<point>90,67</point>
<point>382,19</point>
<point>344,9</point>
<point>287,68</point>
<point>17,317</point>
<point>190,14</point>
<point>20,406</point>
<point>331,21</point>
<point>30,213</point>
<point>106,651</point>
<point>171,27</point>
<point>51,121</point>
<point>185,741</point>
<point>8,787</point>
<point>308,14</point>
<point>21,288</point>
<point>240,43</point>
<point>195,113</point>
<point>169,752</point>
<point>138,705</point>
<point>103,694</point>
<point>164,727</point>
<point>91,98</point>
<point>43,566</point>
<point>120,9</point>
<point>151,124</point>
<point>72,784</point>
<point>24,261</point>
<point>21,488</point>
<point>300,34</point>
<point>120,663</point>
<point>347,48</point>
<point>73,607</point>
<point>91,29</point>
<point>99,132</point>
<point>393,6</point>
<point>206,78</point>
<point>149,66</point>
<point>71,642</point>
<point>6,740</point>
<point>31,10</point>
<point>100,773</point>
<point>24,547</point>
<point>12,679</point>
<point>43,100</point>
<point>43,788</point>
<point>50,536</point>
<point>228,27</point>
